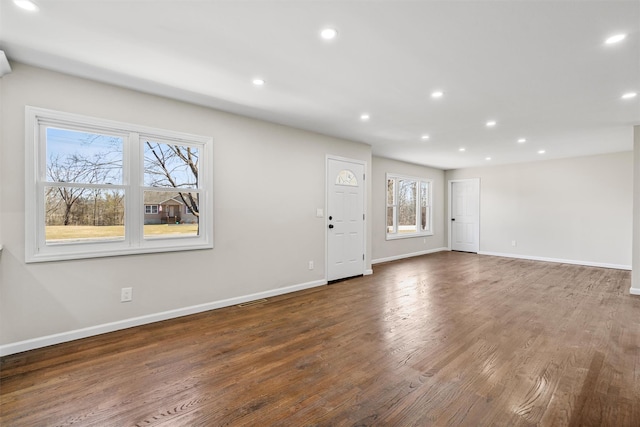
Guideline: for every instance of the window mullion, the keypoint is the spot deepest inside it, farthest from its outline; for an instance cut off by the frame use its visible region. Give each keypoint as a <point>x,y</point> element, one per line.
<point>395,205</point>
<point>418,207</point>
<point>133,170</point>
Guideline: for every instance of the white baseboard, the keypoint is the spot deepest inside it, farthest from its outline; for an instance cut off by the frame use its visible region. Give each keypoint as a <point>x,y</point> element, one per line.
<point>368,272</point>
<point>557,260</point>
<point>48,340</point>
<point>397,257</point>
<point>634,291</point>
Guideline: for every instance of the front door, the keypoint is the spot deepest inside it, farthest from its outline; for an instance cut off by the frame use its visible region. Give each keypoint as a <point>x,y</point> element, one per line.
<point>345,219</point>
<point>465,218</point>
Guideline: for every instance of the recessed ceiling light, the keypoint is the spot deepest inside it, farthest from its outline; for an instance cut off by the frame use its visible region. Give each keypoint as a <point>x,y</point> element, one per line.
<point>328,33</point>
<point>424,137</point>
<point>27,5</point>
<point>629,95</point>
<point>258,82</point>
<point>491,123</point>
<point>437,94</point>
<point>461,149</point>
<point>364,117</point>
<point>487,158</point>
<point>541,151</point>
<point>522,141</point>
<point>615,39</point>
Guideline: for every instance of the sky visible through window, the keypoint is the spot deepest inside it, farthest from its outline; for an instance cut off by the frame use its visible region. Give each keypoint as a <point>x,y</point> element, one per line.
<point>170,165</point>
<point>84,157</point>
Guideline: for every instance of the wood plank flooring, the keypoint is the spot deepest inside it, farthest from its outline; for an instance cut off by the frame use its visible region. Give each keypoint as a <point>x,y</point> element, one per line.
<point>437,340</point>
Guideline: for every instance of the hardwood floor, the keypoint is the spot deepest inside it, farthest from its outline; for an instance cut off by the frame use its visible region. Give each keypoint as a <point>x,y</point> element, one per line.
<point>443,339</point>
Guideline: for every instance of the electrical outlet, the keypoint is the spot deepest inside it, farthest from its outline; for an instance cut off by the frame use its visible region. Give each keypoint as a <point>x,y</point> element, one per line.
<point>310,265</point>
<point>126,294</point>
<point>514,243</point>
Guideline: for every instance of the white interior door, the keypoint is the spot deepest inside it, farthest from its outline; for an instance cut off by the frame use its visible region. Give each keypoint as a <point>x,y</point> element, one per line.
<point>345,219</point>
<point>465,215</point>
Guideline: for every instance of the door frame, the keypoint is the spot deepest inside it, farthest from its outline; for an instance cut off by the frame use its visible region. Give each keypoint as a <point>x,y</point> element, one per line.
<point>449,210</point>
<point>329,157</point>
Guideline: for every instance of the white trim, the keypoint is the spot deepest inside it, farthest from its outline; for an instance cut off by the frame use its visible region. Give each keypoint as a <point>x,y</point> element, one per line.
<point>368,271</point>
<point>634,291</point>
<point>397,257</point>
<point>62,337</point>
<point>559,260</point>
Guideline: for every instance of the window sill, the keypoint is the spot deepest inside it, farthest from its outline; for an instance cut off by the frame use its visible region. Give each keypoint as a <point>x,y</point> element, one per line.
<point>408,236</point>
<point>78,255</point>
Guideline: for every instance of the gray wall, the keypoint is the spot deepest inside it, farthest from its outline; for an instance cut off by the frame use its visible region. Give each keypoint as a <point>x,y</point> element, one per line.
<point>577,209</point>
<point>385,250</point>
<point>268,182</point>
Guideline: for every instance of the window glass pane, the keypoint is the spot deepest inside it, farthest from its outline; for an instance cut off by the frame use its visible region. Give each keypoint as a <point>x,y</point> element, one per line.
<point>390,191</point>
<point>170,165</point>
<point>425,219</point>
<point>390,219</point>
<point>407,193</point>
<point>83,157</point>
<point>424,210</point>
<point>74,214</point>
<point>176,214</point>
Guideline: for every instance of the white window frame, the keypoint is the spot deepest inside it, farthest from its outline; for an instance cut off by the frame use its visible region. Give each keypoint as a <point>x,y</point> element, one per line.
<point>151,212</point>
<point>394,234</point>
<point>134,242</point>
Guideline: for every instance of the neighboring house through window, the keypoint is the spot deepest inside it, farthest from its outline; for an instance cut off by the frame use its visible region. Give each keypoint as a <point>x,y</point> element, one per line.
<point>104,188</point>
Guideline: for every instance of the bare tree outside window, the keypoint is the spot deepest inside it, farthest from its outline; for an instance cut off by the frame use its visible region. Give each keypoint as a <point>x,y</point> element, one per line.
<point>407,193</point>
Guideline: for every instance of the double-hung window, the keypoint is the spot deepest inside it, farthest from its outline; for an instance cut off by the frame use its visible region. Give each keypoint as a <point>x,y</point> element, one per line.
<point>102,188</point>
<point>408,206</point>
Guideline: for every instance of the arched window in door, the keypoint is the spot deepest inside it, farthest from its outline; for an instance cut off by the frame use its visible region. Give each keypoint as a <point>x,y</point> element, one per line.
<point>346,177</point>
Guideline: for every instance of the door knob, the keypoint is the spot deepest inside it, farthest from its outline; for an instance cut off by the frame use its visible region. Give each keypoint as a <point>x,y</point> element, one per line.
<point>330,225</point>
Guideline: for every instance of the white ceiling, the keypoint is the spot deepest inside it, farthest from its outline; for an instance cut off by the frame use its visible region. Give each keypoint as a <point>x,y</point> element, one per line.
<point>539,68</point>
